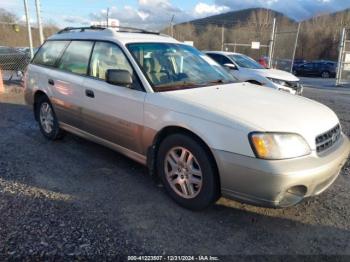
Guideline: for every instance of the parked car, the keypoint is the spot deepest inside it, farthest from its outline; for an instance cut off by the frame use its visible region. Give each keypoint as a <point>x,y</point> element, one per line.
<point>247,69</point>
<point>282,64</point>
<point>298,62</point>
<point>12,59</point>
<point>26,50</point>
<point>170,107</point>
<point>324,69</point>
<point>264,61</point>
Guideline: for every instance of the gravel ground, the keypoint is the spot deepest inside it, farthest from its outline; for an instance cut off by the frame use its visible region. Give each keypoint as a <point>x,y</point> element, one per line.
<point>73,198</point>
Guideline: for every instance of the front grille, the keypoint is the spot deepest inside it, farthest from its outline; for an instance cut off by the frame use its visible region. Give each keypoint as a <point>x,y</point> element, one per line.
<point>327,139</point>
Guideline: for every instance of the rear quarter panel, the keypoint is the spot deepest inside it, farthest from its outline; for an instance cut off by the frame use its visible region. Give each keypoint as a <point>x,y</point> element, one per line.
<point>36,79</point>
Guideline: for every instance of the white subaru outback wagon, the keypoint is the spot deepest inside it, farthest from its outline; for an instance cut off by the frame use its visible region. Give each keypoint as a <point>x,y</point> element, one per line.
<point>172,108</point>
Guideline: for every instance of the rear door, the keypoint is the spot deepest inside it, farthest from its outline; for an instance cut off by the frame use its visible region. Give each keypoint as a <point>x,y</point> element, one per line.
<point>111,112</point>
<point>308,69</point>
<point>67,82</point>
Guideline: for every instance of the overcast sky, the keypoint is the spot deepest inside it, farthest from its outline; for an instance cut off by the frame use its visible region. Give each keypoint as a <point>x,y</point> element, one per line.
<point>157,13</point>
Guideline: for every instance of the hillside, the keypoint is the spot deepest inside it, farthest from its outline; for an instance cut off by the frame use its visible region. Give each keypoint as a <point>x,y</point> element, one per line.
<point>17,36</point>
<point>243,27</point>
<point>318,39</point>
<point>262,15</point>
<point>343,15</point>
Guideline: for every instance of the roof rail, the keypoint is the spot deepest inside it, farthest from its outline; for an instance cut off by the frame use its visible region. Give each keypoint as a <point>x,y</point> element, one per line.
<point>82,29</point>
<point>121,29</point>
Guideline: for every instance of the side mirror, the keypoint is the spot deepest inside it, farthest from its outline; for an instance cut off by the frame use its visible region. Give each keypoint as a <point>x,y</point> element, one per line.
<point>119,77</point>
<point>230,66</point>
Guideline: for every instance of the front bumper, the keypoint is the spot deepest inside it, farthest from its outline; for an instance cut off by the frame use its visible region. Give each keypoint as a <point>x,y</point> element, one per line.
<point>280,183</point>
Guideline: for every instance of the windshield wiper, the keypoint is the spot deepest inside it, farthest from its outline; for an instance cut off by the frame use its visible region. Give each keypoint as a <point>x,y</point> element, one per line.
<point>177,86</point>
<point>217,81</point>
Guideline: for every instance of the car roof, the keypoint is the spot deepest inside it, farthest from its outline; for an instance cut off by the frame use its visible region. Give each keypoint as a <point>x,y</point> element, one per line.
<point>111,34</point>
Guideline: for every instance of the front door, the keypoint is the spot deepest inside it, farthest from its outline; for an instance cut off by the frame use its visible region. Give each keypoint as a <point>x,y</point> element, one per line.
<point>111,112</point>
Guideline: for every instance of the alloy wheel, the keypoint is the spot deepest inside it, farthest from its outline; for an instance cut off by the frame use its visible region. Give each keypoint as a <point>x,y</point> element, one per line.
<point>46,117</point>
<point>325,75</point>
<point>183,172</point>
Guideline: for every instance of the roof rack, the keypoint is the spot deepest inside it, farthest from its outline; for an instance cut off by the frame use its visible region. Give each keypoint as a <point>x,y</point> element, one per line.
<point>121,29</point>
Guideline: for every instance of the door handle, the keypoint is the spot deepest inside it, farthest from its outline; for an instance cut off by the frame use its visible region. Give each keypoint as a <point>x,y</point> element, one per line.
<point>51,82</point>
<point>89,93</point>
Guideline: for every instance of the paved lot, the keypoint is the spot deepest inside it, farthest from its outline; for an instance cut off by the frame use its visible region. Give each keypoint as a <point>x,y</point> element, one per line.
<point>317,82</point>
<point>76,198</point>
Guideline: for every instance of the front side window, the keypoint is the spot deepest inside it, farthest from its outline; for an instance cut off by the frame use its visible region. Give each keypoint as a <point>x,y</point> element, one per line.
<point>76,57</point>
<point>49,53</point>
<point>225,60</point>
<point>107,56</point>
<point>171,66</point>
<point>246,61</point>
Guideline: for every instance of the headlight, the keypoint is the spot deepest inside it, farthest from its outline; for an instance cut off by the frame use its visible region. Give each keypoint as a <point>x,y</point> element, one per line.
<point>275,146</point>
<point>278,81</point>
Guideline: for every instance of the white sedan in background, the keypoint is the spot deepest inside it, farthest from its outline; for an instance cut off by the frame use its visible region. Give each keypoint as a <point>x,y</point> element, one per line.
<point>246,69</point>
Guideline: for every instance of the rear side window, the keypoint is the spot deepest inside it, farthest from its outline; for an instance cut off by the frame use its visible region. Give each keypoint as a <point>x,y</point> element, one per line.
<point>217,58</point>
<point>76,57</point>
<point>49,53</point>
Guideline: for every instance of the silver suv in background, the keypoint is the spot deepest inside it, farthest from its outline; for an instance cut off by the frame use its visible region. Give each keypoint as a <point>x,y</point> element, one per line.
<point>170,107</point>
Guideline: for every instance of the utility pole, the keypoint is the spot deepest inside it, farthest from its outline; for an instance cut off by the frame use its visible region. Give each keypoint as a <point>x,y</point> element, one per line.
<point>295,48</point>
<point>222,37</point>
<point>107,17</point>
<point>172,26</point>
<point>38,16</point>
<point>29,28</point>
<point>272,40</point>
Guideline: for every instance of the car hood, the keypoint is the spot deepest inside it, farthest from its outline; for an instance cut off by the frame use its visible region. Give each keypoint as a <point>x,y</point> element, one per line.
<point>255,108</point>
<point>274,73</point>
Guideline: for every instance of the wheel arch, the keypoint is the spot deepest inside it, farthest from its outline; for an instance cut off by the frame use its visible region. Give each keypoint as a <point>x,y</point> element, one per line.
<point>325,71</point>
<point>38,94</point>
<point>170,130</point>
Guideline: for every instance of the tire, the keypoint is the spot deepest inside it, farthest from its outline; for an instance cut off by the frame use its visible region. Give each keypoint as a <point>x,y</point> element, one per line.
<point>195,183</point>
<point>325,74</point>
<point>47,119</point>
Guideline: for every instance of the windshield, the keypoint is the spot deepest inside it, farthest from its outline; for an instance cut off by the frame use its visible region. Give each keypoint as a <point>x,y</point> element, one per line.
<point>246,62</point>
<point>177,66</point>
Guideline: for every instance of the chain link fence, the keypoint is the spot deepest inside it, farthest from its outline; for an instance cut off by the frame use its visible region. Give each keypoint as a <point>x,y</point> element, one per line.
<point>14,49</point>
<point>241,39</point>
<point>284,47</point>
<point>343,70</point>
<point>252,39</point>
<point>14,54</point>
<point>13,62</point>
